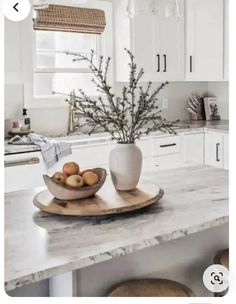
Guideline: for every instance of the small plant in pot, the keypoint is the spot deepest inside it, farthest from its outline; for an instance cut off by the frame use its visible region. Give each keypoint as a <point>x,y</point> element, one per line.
<point>127,117</point>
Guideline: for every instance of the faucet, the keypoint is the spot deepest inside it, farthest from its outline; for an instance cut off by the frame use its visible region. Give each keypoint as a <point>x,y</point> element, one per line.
<point>73,124</point>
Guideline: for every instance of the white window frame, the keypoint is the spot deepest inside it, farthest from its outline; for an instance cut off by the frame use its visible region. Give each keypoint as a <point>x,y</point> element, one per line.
<point>104,47</point>
<point>64,70</point>
<point>55,97</point>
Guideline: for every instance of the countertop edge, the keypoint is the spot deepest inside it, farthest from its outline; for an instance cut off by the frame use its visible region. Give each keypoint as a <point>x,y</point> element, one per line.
<point>103,140</point>
<point>113,253</point>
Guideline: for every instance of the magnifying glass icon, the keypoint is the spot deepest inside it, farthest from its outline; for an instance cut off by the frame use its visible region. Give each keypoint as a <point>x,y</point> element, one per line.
<point>216,278</point>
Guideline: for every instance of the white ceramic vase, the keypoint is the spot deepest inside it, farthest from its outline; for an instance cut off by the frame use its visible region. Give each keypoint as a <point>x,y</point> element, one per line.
<point>125,163</point>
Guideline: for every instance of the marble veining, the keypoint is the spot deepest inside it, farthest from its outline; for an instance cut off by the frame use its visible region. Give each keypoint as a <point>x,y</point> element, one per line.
<point>40,245</point>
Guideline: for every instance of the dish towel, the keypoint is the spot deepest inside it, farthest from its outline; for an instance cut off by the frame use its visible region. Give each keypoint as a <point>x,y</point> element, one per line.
<point>52,150</point>
<point>20,140</point>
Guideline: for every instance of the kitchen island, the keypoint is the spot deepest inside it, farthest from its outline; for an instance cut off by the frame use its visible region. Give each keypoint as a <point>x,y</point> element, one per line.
<point>39,246</point>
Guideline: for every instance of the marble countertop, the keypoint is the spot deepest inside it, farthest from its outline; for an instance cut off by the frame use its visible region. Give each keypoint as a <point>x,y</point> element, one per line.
<point>186,126</point>
<point>40,245</point>
<point>215,125</point>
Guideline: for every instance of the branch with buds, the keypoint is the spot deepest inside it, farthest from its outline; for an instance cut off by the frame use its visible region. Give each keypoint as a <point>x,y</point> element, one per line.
<point>127,117</point>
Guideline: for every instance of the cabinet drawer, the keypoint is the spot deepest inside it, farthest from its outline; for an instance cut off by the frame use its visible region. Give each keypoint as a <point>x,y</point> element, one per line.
<point>23,171</point>
<point>166,145</point>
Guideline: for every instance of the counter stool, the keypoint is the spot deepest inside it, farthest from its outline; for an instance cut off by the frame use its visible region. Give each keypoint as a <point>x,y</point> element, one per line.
<point>150,288</point>
<point>222,258</point>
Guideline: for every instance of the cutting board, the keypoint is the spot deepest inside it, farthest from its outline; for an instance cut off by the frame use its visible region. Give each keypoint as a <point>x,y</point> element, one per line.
<point>107,201</point>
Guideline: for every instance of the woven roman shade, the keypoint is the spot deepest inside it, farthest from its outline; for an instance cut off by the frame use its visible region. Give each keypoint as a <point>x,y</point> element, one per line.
<point>70,19</point>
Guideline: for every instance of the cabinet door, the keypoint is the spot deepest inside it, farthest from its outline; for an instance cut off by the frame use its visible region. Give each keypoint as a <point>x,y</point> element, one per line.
<point>170,45</point>
<point>155,38</point>
<point>143,39</point>
<point>193,149</point>
<point>214,150</point>
<point>226,152</point>
<point>205,47</point>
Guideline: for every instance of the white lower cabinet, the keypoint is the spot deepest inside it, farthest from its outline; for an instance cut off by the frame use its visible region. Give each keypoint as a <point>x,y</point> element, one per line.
<point>214,150</point>
<point>87,156</point>
<point>193,149</point>
<point>167,161</point>
<point>23,171</point>
<point>145,147</point>
<point>226,152</point>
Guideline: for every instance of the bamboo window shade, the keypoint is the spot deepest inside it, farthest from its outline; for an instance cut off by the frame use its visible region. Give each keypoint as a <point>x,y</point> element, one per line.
<point>70,19</point>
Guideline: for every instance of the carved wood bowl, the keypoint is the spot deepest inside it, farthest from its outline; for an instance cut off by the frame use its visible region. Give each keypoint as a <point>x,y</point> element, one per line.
<point>64,192</point>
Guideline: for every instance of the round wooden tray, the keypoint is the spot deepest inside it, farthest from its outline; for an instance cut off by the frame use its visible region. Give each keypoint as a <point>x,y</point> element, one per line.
<point>107,201</point>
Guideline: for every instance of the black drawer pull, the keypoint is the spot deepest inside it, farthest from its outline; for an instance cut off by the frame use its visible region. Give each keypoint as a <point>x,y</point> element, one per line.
<point>158,63</point>
<point>191,64</point>
<point>165,64</point>
<point>168,145</point>
<point>217,152</point>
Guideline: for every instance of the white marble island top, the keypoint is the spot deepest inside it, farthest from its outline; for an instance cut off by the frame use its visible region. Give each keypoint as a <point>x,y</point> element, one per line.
<point>40,245</point>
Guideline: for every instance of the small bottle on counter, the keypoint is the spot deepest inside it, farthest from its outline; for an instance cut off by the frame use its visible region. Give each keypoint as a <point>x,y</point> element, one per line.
<point>26,126</point>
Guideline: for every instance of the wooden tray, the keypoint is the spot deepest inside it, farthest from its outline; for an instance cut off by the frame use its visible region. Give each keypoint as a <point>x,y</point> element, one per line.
<point>107,201</point>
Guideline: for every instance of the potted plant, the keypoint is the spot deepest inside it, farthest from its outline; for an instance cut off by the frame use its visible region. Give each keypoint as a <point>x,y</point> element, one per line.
<point>126,118</point>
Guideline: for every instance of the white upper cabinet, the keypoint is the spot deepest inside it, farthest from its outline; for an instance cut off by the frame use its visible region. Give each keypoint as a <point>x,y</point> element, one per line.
<point>154,34</point>
<point>204,40</point>
<point>143,40</point>
<point>173,40</point>
<point>170,39</point>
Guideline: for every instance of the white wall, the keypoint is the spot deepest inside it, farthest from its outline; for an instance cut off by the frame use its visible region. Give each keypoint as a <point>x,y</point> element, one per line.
<point>177,94</point>
<point>47,121</point>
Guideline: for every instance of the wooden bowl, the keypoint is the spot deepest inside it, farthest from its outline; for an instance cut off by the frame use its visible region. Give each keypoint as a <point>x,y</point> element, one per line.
<point>64,192</point>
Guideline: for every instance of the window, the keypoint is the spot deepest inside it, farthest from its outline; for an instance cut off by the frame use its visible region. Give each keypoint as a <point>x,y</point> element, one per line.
<point>45,66</point>
<point>54,71</point>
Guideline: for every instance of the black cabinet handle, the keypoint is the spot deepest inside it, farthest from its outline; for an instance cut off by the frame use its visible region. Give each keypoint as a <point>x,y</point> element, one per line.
<point>158,63</point>
<point>217,152</point>
<point>168,145</point>
<point>165,66</point>
<point>191,64</point>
